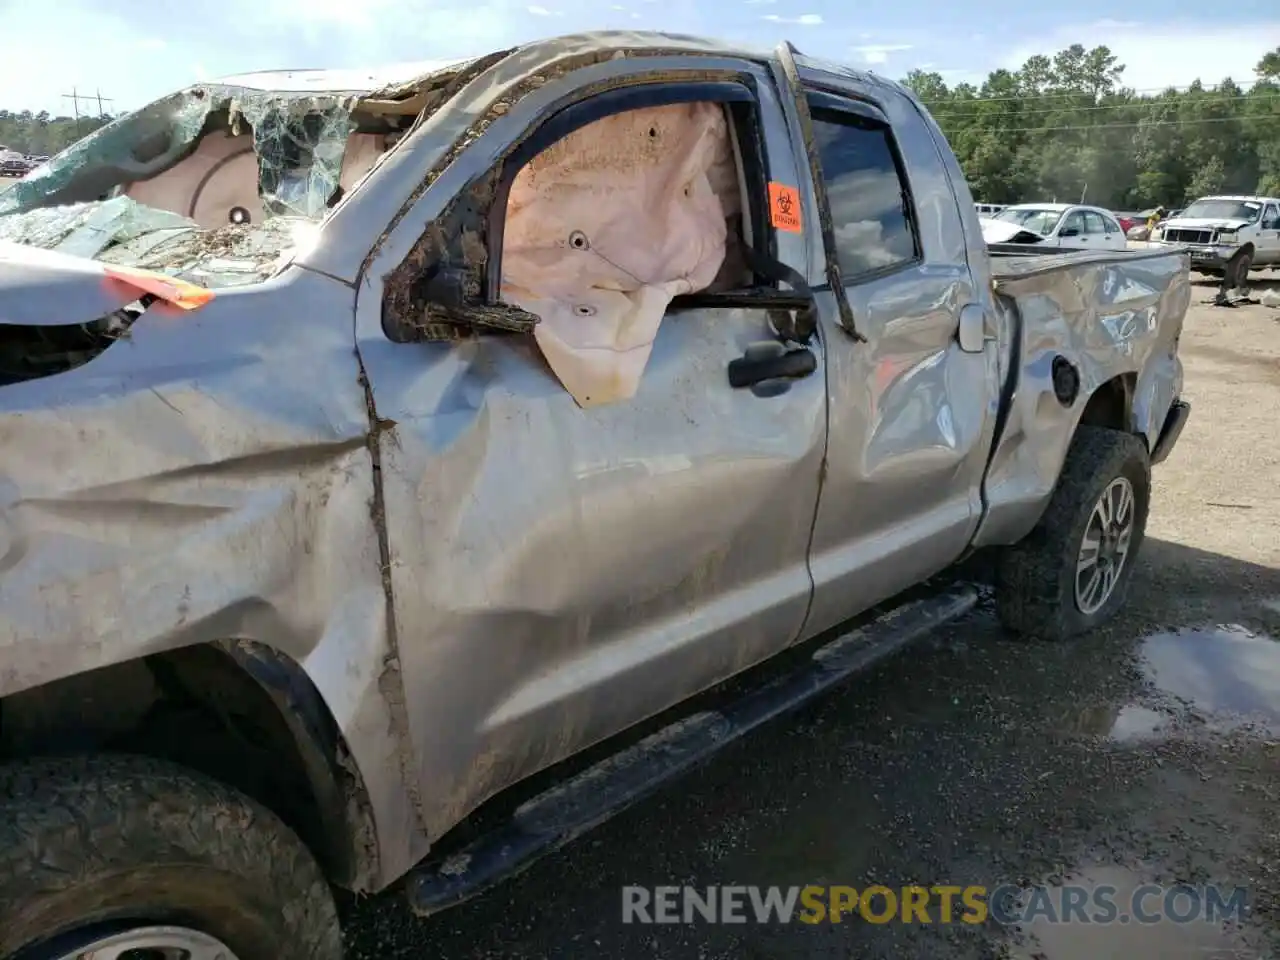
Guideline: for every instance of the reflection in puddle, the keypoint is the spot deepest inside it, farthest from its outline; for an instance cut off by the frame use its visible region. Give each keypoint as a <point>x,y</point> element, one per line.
<point>1137,723</point>
<point>1165,939</point>
<point>1227,671</point>
<point>1123,724</point>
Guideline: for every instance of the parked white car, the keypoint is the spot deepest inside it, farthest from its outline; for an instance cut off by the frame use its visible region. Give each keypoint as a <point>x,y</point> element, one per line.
<point>1071,225</point>
<point>988,209</point>
<point>1217,229</point>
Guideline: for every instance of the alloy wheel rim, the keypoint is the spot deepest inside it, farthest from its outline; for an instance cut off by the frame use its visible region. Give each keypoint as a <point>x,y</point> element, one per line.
<point>1104,550</point>
<point>151,943</point>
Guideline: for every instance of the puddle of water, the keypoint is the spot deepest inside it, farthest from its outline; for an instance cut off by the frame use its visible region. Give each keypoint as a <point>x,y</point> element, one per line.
<point>1228,672</point>
<point>1167,939</point>
<point>1126,724</point>
<point>1137,723</point>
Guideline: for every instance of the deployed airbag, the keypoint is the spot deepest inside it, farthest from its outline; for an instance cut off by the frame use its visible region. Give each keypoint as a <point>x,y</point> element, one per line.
<point>604,228</point>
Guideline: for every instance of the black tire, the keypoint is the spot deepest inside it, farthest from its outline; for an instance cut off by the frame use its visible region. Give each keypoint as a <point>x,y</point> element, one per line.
<point>103,843</point>
<point>1243,267</point>
<point>1035,578</point>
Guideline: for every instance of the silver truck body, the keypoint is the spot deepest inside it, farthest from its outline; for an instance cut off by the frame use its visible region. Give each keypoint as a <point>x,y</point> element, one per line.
<point>479,579</point>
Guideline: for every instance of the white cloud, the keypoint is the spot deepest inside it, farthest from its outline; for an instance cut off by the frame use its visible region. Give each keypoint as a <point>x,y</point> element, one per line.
<point>805,19</point>
<point>233,36</point>
<point>759,3</point>
<point>954,77</point>
<point>878,53</point>
<point>539,11</point>
<point>1171,54</point>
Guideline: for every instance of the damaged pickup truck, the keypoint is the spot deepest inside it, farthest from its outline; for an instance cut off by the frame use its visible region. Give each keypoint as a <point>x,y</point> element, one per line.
<point>373,449</point>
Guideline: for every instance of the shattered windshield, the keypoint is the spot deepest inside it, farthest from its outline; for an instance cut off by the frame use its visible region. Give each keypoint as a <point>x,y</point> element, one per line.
<point>217,184</point>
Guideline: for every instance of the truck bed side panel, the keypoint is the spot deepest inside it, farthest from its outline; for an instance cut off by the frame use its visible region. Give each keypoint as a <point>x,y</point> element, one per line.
<point>1109,315</point>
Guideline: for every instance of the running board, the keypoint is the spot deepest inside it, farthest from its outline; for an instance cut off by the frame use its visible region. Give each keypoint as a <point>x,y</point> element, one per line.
<point>563,813</point>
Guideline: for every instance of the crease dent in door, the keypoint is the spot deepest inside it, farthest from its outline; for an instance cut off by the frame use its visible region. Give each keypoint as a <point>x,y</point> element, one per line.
<point>605,227</point>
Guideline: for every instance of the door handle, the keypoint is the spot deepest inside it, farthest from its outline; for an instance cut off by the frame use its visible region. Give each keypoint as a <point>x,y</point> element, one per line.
<point>768,361</point>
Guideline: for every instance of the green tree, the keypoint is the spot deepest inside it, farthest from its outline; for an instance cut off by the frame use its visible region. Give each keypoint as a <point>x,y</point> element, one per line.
<point>1066,127</point>
<point>42,135</point>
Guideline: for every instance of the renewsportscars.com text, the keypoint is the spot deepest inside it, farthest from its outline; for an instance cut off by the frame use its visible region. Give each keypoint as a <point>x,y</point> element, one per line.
<point>1007,904</point>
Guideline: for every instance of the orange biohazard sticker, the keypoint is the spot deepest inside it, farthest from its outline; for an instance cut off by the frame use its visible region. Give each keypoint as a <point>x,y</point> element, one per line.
<point>784,207</point>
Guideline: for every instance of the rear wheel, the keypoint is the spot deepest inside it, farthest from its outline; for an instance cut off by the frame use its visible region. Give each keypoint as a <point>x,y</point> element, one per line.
<point>1071,572</point>
<point>129,858</point>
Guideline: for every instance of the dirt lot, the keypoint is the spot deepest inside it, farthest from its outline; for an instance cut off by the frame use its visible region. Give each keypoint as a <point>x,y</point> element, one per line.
<point>1123,757</point>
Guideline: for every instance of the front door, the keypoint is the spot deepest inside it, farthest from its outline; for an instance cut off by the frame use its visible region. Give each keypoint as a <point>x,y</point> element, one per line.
<point>562,572</point>
<point>1268,245</point>
<point>1074,231</point>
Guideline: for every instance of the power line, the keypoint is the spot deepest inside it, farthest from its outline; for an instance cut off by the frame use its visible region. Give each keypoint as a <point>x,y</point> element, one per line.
<point>1123,91</point>
<point>1132,105</point>
<point>1140,123</point>
<point>75,99</point>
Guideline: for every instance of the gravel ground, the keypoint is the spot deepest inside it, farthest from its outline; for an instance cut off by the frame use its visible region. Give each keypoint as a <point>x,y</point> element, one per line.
<point>1147,752</point>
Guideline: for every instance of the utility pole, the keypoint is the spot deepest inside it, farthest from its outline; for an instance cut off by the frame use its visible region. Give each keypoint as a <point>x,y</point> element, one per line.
<point>75,106</point>
<point>75,99</point>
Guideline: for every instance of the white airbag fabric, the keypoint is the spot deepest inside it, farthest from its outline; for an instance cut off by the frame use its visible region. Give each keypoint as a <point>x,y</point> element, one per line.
<point>606,226</point>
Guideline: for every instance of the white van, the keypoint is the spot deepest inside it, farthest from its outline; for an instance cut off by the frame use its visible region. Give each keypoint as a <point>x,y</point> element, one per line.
<point>988,209</point>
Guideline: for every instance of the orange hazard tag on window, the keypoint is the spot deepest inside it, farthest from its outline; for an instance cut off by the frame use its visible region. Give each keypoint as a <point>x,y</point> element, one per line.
<point>784,207</point>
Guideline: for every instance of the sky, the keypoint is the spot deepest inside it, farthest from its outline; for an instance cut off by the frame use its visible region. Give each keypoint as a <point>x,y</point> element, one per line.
<point>134,51</point>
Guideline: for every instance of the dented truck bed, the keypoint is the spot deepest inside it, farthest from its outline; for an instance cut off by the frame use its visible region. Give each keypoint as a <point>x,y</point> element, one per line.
<point>479,415</point>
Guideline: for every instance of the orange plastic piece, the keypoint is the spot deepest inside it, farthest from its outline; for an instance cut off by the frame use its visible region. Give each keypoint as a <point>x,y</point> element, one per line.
<point>180,293</point>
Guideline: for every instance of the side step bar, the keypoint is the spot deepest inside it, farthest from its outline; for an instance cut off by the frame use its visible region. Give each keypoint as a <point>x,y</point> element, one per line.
<point>563,813</point>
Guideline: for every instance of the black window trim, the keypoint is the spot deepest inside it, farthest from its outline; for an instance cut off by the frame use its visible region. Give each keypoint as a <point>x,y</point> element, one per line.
<point>642,93</point>
<point>845,109</point>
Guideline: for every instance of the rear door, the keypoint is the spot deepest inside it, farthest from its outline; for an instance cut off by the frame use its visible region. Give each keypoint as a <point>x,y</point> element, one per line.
<point>911,413</point>
<point>1105,229</point>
